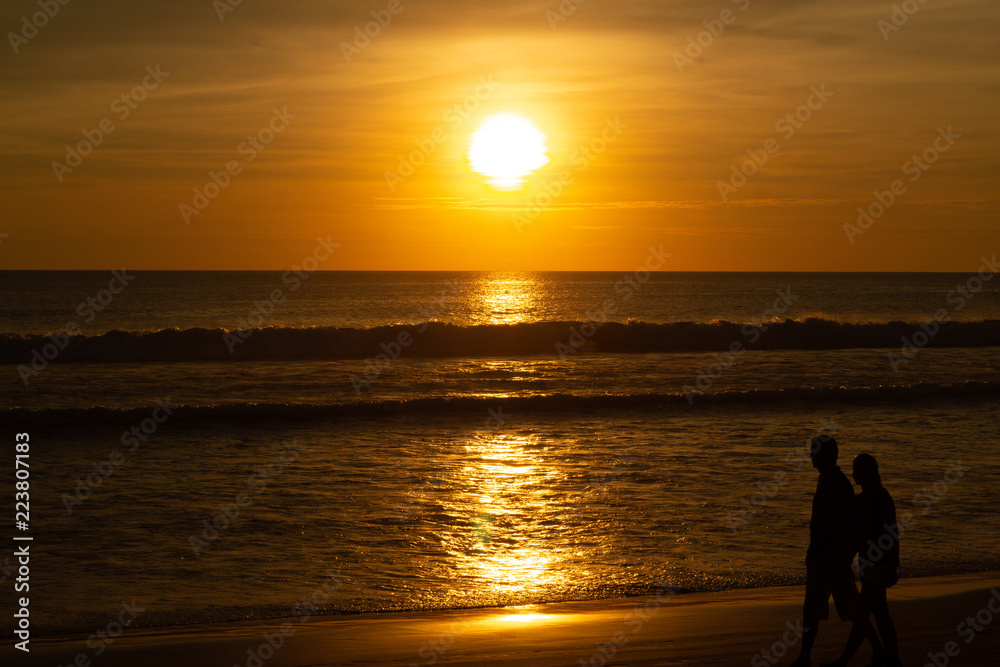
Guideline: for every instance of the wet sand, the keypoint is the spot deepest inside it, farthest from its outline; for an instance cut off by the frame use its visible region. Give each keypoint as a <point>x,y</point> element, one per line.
<point>730,628</point>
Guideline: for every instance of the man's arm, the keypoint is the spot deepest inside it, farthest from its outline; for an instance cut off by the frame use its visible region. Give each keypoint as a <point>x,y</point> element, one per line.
<point>842,533</point>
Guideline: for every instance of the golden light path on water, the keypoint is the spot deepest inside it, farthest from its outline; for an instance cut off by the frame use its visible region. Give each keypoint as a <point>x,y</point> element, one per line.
<point>507,298</point>
<point>502,488</point>
<point>506,493</point>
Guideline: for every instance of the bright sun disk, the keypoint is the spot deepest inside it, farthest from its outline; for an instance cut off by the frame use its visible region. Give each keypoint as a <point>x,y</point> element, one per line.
<point>505,149</point>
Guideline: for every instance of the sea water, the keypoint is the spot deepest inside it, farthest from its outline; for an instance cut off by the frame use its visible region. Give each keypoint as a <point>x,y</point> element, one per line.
<point>216,445</point>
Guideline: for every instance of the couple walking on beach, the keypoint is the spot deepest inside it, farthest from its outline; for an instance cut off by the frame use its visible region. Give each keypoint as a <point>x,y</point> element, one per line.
<point>843,524</point>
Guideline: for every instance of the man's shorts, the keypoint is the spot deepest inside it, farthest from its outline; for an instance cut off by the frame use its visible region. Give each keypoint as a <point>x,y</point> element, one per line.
<point>826,577</point>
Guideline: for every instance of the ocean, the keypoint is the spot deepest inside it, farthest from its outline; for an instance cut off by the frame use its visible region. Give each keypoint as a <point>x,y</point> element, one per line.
<point>214,446</point>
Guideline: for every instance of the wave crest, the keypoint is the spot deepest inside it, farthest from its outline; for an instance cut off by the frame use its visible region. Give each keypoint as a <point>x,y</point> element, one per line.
<point>548,404</point>
<point>438,339</point>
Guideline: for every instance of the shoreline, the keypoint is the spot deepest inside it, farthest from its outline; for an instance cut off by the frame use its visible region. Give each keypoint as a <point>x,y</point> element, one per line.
<point>725,628</point>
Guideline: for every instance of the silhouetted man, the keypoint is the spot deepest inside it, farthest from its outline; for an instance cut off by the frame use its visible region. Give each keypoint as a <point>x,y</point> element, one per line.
<point>831,550</point>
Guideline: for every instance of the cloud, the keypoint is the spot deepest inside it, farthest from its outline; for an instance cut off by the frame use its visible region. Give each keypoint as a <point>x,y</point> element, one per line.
<point>451,203</point>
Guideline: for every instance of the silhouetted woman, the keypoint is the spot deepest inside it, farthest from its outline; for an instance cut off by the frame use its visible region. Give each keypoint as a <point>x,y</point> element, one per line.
<point>876,539</point>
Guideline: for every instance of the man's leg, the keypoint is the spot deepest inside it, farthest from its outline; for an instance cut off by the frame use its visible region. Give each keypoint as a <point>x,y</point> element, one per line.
<point>815,607</point>
<point>860,630</point>
<point>862,627</point>
<point>810,628</point>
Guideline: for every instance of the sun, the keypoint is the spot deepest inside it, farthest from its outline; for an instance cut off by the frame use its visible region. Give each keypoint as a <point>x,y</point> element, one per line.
<point>505,149</point>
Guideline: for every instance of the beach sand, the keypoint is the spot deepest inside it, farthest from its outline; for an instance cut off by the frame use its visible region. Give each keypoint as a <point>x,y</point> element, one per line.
<point>729,628</point>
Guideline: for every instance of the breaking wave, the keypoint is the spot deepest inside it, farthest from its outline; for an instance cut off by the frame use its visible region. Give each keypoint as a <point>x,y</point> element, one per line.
<point>547,404</point>
<point>437,339</point>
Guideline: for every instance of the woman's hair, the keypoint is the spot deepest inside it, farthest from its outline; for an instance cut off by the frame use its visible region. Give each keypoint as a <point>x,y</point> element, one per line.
<point>866,469</point>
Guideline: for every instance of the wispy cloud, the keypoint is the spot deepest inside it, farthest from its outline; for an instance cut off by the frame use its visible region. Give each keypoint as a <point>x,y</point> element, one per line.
<point>452,203</point>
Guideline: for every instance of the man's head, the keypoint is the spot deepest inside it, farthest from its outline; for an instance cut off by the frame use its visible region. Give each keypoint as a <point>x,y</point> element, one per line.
<point>823,452</point>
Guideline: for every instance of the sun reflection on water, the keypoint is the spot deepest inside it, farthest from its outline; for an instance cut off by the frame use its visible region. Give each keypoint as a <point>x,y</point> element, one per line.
<point>507,298</point>
<point>501,489</point>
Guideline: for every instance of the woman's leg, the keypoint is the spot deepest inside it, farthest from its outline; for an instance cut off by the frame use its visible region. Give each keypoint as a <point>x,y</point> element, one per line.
<point>861,629</point>
<point>880,608</point>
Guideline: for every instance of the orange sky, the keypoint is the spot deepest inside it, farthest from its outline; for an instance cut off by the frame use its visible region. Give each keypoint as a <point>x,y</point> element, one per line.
<point>682,121</point>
